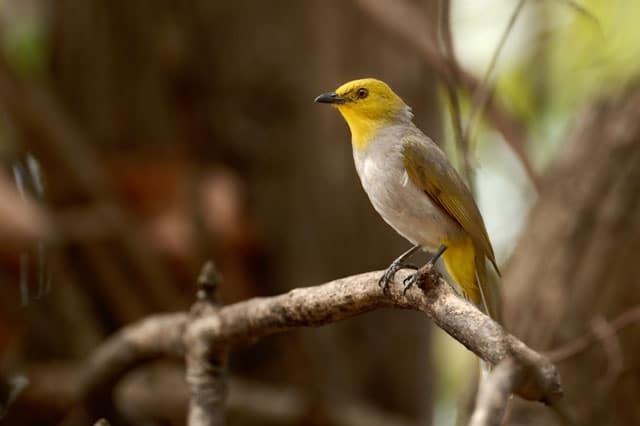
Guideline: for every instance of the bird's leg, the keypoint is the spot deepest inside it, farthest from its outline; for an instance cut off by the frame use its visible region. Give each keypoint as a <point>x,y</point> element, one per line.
<point>411,279</point>
<point>395,266</point>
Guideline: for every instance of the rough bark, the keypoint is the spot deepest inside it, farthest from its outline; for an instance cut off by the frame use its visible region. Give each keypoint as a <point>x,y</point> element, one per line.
<point>576,265</point>
<point>206,364</point>
<point>205,337</point>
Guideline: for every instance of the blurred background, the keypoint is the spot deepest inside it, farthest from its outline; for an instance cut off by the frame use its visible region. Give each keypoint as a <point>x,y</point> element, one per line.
<point>139,139</point>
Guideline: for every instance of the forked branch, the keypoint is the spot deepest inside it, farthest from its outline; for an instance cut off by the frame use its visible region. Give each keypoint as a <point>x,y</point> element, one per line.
<point>214,330</point>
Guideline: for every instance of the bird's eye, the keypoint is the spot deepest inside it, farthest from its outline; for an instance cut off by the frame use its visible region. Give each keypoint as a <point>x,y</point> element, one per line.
<point>362,93</point>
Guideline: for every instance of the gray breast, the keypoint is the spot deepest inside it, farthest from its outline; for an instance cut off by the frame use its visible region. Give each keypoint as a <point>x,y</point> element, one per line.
<point>396,198</point>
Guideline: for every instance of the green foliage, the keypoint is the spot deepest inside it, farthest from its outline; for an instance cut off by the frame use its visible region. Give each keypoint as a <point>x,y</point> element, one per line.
<point>587,57</point>
<point>576,57</point>
<point>24,45</point>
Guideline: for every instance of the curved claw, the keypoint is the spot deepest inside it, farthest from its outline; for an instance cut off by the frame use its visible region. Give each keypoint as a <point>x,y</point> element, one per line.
<point>408,282</point>
<point>388,275</point>
<point>386,278</point>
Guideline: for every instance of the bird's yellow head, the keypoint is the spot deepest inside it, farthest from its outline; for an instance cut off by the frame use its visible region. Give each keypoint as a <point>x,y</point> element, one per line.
<point>367,106</point>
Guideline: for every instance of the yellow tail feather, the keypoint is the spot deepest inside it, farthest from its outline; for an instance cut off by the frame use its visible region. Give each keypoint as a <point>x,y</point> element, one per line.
<point>459,258</point>
<point>466,265</point>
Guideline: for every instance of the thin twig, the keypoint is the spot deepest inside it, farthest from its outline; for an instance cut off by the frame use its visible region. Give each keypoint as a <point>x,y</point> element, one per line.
<point>451,84</point>
<point>484,92</point>
<point>583,343</point>
<point>402,19</point>
<point>611,345</point>
<point>584,12</point>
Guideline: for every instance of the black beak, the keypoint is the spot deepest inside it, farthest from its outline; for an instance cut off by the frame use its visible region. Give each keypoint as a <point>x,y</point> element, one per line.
<point>330,98</point>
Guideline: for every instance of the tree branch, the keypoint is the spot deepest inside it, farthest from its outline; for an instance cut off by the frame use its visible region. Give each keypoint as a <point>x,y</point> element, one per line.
<point>581,344</point>
<point>151,338</point>
<point>206,363</point>
<point>248,398</point>
<point>494,393</point>
<point>175,334</point>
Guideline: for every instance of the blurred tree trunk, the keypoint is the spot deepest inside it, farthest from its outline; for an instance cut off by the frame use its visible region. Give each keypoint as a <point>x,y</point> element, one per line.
<point>383,357</point>
<point>578,263</point>
<point>233,83</point>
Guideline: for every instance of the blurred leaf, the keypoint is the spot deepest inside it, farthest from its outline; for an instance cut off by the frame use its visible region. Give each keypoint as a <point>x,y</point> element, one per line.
<point>24,45</point>
<point>517,92</point>
<point>581,51</point>
<point>586,58</point>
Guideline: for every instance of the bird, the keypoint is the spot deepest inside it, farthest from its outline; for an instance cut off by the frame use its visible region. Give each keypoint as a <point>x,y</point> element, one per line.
<point>417,191</point>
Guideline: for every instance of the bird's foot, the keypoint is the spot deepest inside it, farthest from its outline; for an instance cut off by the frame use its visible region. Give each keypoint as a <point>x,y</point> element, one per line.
<point>409,281</point>
<point>390,272</point>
